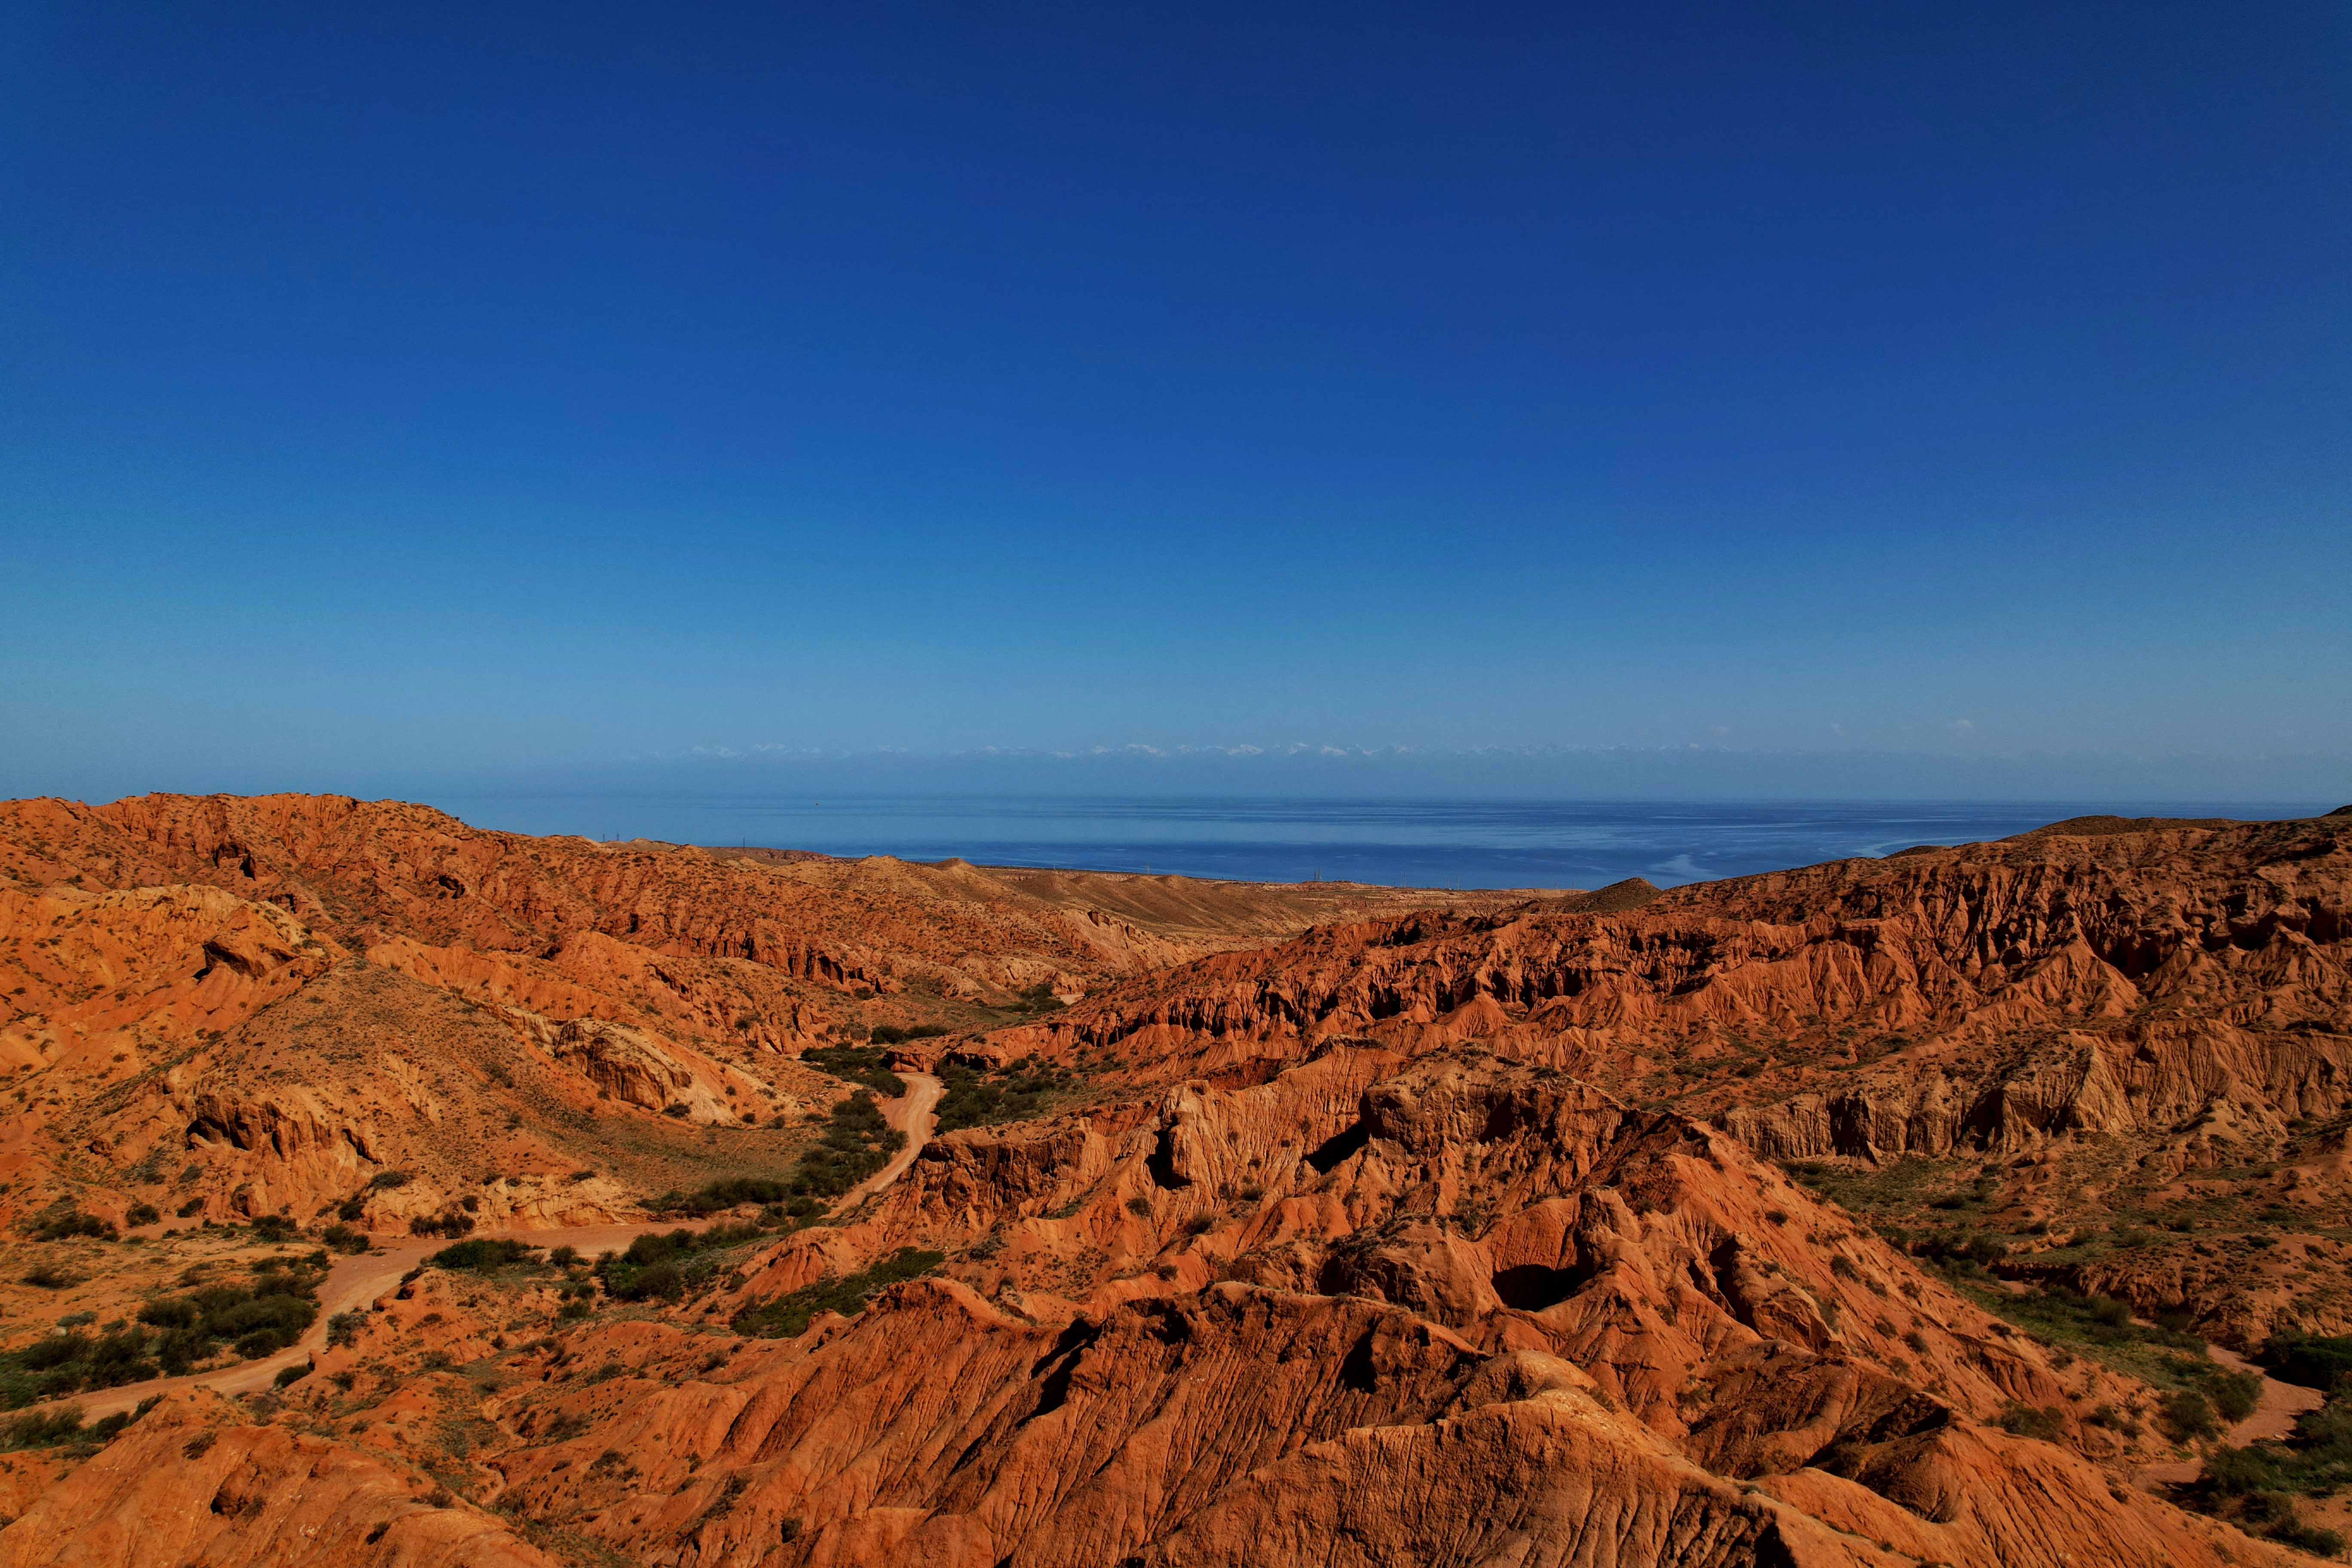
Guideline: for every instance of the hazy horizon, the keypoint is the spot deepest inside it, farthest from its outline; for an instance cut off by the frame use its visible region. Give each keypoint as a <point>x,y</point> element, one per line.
<point>1516,776</point>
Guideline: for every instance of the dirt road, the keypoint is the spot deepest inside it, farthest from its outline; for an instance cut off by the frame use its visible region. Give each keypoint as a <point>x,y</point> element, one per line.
<point>913,1113</point>
<point>353,1283</point>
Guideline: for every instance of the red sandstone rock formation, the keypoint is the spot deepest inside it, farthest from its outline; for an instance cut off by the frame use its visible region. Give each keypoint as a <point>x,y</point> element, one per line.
<point>1460,1238</point>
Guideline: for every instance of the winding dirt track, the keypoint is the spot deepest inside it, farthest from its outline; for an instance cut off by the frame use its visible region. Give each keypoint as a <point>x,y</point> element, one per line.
<point>915,1114</point>
<point>354,1282</point>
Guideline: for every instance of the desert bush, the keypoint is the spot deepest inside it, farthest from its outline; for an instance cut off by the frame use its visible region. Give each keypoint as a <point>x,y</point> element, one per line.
<point>858,1142</point>
<point>730,1193</point>
<point>984,1098</point>
<point>482,1255</point>
<point>860,1065</point>
<point>2313,1362</point>
<point>344,1238</point>
<point>2030,1421</point>
<point>58,1225</point>
<point>452,1223</point>
<point>42,1430</point>
<point>893,1034</point>
<point>2185,1413</point>
<point>788,1316</point>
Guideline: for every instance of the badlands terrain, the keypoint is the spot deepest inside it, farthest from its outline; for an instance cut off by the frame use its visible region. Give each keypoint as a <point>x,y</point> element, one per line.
<point>380,1191</point>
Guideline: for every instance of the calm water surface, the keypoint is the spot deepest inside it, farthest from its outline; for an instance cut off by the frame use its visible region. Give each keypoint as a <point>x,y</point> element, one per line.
<point>1424,844</point>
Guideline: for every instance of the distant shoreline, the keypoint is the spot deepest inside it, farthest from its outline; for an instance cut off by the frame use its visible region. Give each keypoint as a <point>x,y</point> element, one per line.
<point>1487,845</point>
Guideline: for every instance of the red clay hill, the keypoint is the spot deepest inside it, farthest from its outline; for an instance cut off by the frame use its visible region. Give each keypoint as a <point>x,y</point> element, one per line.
<point>1886,1212</point>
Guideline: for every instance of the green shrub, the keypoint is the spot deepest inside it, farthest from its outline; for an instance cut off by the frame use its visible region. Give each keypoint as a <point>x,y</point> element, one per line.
<point>143,1214</point>
<point>2030,1421</point>
<point>344,1238</point>
<point>859,1064</point>
<point>856,1144</point>
<point>731,1192</point>
<point>453,1223</point>
<point>788,1317</point>
<point>665,1266</point>
<point>2235,1395</point>
<point>2186,1413</point>
<point>892,1033</point>
<point>42,1430</point>
<point>2313,1362</point>
<point>984,1098</point>
<point>2240,1472</point>
<point>2315,1539</point>
<point>1963,1253</point>
<point>482,1255</point>
<point>58,1225</point>
<point>1040,998</point>
<point>258,1319</point>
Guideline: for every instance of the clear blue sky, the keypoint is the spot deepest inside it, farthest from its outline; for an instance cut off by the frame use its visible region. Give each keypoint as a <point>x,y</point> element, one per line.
<point>475,387</point>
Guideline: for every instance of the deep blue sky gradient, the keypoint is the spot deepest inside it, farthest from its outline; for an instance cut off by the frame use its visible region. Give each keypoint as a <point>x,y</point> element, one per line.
<point>469,388</point>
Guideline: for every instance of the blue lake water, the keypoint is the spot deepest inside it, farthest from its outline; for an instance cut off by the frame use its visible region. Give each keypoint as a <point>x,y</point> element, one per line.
<point>1425,843</point>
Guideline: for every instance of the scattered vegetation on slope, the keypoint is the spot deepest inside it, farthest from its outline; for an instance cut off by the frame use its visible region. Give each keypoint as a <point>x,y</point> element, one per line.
<point>862,1064</point>
<point>2256,1487</point>
<point>173,1335</point>
<point>61,1223</point>
<point>2201,1394</point>
<point>974,1098</point>
<point>734,1191</point>
<point>482,1255</point>
<point>788,1316</point>
<point>54,1428</point>
<point>856,1144</point>
<point>893,1035</point>
<point>676,1264</point>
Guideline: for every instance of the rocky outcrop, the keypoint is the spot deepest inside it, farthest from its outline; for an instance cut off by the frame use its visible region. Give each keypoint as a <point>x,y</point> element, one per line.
<point>626,1065</point>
